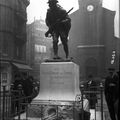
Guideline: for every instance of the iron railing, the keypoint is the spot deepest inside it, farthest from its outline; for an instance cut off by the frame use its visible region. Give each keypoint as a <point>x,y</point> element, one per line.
<point>14,104</point>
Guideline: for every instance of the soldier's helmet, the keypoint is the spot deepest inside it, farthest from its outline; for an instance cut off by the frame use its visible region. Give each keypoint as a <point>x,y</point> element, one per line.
<point>52,1</point>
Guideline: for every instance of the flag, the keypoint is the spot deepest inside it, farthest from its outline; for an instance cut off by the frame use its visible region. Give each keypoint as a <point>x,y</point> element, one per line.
<point>113,5</point>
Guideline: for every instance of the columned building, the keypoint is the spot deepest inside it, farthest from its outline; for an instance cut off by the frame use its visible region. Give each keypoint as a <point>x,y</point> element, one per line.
<point>13,18</point>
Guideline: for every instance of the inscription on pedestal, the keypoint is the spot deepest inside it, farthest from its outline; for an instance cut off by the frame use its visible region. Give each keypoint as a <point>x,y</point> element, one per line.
<point>58,81</point>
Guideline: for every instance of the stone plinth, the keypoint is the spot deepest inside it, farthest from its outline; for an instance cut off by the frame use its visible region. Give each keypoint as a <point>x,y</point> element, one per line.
<point>58,81</point>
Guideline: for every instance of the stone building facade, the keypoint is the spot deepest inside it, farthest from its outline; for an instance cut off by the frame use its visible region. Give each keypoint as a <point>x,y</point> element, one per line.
<point>38,46</point>
<point>91,40</point>
<point>13,18</point>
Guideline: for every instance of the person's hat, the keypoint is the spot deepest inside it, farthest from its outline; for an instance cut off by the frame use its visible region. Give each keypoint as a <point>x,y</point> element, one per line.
<point>52,1</point>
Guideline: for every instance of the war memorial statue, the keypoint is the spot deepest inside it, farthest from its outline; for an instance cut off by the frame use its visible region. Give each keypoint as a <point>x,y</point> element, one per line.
<point>59,24</point>
<point>59,78</point>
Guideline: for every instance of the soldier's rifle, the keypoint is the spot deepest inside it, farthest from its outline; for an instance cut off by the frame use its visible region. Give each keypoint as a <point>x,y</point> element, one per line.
<point>57,21</point>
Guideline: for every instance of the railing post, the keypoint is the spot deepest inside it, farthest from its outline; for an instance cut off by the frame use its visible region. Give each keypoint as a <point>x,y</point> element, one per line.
<point>41,112</point>
<point>82,92</point>
<point>26,111</point>
<point>3,111</point>
<point>19,100</point>
<point>101,93</point>
<point>12,106</point>
<point>73,110</point>
<point>11,87</point>
<point>57,112</point>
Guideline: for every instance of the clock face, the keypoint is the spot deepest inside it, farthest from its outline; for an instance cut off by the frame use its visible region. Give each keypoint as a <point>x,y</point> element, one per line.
<point>90,8</point>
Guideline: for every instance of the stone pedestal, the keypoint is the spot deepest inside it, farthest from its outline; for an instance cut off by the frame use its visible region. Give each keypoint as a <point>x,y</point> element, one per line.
<point>59,86</point>
<point>58,81</point>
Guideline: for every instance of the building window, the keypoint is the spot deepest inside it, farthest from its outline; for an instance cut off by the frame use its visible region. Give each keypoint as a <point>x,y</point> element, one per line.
<point>19,51</point>
<point>40,48</point>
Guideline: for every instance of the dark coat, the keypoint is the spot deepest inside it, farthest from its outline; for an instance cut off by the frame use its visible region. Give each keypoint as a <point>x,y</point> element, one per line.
<point>112,87</point>
<point>28,87</point>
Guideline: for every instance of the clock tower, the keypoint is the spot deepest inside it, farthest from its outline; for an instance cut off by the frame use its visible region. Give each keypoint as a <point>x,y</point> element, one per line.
<point>90,15</point>
<point>91,38</point>
<point>86,38</point>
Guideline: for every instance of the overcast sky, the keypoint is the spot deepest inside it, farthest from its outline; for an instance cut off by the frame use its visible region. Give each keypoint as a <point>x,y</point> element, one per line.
<point>37,8</point>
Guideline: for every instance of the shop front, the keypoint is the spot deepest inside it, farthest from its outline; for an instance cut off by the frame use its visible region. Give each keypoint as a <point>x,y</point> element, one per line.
<point>8,70</point>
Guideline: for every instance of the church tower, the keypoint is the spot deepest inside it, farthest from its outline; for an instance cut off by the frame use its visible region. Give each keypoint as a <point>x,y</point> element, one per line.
<point>86,38</point>
<point>90,15</point>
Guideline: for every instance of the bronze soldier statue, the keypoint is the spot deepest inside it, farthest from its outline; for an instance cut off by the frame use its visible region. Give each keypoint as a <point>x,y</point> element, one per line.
<point>59,24</point>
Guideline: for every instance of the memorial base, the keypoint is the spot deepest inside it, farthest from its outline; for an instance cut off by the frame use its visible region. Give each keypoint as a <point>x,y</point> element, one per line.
<point>59,86</point>
<point>58,81</point>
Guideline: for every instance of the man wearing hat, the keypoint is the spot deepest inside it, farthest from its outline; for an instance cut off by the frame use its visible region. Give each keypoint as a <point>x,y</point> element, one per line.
<point>111,92</point>
<point>59,29</point>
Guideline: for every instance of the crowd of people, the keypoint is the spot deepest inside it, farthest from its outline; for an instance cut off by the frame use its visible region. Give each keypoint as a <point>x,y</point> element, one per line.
<point>30,89</point>
<point>91,85</point>
<point>27,87</point>
<point>111,92</point>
